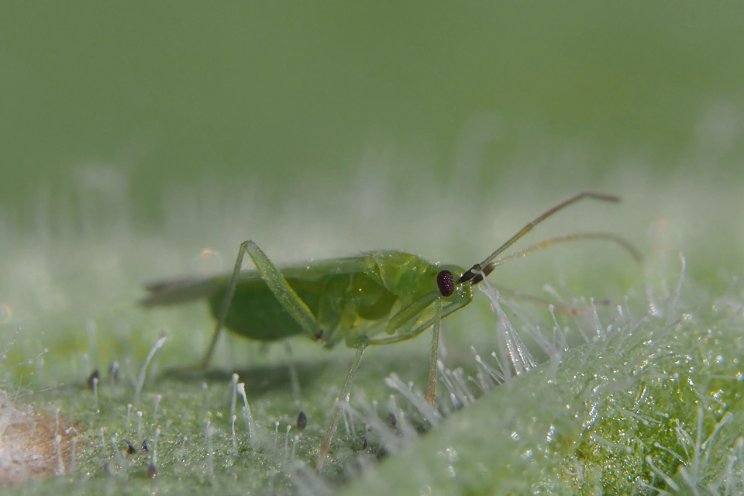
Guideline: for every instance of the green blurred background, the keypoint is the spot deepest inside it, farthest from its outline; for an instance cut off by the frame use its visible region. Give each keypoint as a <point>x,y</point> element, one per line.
<point>274,96</point>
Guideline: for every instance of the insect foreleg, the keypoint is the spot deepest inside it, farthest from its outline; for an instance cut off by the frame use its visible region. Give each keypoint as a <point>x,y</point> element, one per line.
<point>278,285</point>
<point>412,333</point>
<point>340,400</point>
<point>431,389</point>
<point>410,312</point>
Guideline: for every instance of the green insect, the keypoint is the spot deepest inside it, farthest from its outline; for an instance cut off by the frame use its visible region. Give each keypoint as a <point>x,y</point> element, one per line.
<point>377,298</point>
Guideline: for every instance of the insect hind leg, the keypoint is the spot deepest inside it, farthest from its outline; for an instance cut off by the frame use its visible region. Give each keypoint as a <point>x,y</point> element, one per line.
<point>277,284</point>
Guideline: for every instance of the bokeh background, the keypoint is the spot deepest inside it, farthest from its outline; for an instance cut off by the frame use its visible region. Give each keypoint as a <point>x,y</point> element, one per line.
<point>142,140</point>
<point>280,97</point>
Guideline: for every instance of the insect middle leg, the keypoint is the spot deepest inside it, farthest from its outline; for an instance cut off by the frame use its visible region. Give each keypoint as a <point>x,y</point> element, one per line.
<point>277,283</point>
<point>340,400</point>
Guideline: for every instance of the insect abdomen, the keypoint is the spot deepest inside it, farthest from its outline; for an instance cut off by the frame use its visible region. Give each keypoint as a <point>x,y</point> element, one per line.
<point>255,313</point>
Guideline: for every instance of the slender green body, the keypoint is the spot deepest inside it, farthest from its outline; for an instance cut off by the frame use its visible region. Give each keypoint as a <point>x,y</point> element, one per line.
<point>353,299</point>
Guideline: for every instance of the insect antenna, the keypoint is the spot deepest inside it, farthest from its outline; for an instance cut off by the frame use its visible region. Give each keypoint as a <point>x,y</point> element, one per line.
<point>478,271</point>
<point>625,244</point>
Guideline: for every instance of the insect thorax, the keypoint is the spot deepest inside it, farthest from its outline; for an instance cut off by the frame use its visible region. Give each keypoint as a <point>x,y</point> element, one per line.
<point>402,274</point>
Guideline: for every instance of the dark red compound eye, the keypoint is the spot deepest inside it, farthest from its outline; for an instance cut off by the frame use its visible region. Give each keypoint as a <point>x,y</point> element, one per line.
<point>446,283</point>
